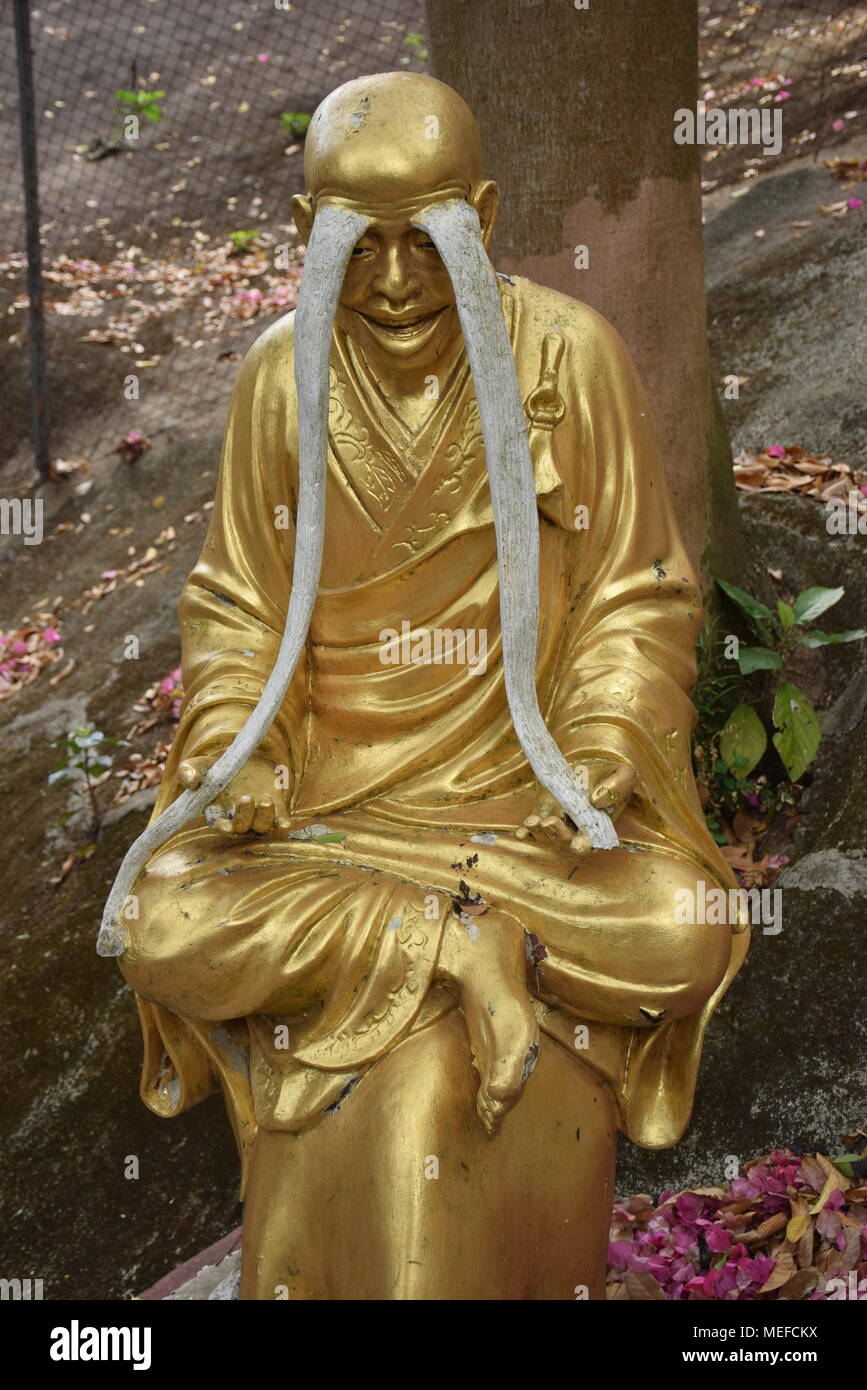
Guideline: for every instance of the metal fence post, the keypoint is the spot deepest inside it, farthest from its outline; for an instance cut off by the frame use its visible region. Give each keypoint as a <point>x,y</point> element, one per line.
<point>39,403</point>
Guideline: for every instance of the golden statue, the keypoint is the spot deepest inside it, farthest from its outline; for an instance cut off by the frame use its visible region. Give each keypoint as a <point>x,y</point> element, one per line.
<point>425,938</point>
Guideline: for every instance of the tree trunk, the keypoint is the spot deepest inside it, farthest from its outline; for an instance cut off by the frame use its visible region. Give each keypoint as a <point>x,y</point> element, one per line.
<point>576,107</point>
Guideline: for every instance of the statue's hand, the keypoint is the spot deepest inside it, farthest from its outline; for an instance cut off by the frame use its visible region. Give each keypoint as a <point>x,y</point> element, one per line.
<point>252,802</point>
<point>610,784</point>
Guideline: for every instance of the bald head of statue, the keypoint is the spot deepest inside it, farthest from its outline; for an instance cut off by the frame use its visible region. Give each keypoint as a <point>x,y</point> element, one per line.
<point>388,146</point>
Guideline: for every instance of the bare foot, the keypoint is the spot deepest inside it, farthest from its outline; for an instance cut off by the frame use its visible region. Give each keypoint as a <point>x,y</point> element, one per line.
<point>489,968</point>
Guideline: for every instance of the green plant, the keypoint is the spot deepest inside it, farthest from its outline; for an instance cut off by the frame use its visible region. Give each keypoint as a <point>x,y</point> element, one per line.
<point>743,739</point>
<point>716,681</point>
<point>145,104</point>
<point>242,240</point>
<point>85,764</point>
<point>417,46</point>
<point>296,121</point>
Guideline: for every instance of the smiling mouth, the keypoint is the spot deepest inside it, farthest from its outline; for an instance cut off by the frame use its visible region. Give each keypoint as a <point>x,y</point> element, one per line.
<point>402,328</point>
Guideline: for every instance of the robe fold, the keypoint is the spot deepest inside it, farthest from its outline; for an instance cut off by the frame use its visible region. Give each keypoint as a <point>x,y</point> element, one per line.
<point>284,966</point>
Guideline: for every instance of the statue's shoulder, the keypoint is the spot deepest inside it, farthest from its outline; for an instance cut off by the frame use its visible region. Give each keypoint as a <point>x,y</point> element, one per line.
<point>542,310</point>
<point>274,349</point>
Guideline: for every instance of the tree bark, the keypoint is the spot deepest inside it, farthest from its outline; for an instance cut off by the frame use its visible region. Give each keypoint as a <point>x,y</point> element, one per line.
<point>576,107</point>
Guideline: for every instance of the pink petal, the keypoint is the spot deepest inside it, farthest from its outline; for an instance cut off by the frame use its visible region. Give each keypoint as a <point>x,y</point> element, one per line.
<point>718,1239</point>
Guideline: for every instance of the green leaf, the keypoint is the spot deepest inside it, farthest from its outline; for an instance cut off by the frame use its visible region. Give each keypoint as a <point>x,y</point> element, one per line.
<point>297,121</point>
<point>811,602</point>
<point>823,639</point>
<point>761,617</point>
<point>58,776</point>
<point>758,659</point>
<point>334,837</point>
<point>123,95</point>
<point>743,740</point>
<point>844,1163</point>
<point>799,734</point>
<point>787,614</point>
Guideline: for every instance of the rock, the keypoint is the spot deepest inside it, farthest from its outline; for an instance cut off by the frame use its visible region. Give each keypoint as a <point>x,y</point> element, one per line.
<point>786,311</point>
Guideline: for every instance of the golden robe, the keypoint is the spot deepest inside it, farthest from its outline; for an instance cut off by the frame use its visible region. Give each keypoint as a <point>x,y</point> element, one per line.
<point>284,967</point>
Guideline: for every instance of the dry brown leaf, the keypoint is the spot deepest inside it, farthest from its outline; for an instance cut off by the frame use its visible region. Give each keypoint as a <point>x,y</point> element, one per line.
<point>800,1284</point>
<point>813,1172</point>
<point>642,1287</point>
<point>804,1252</point>
<point>767,1228</point>
<point>616,1292</point>
<point>851,1252</point>
<point>782,1272</point>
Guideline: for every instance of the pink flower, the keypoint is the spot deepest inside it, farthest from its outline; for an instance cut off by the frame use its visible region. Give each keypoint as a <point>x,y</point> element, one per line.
<point>718,1239</point>
<point>262,57</point>
<point>854,203</point>
<point>828,1224</point>
<point>759,1268</point>
<point>783,96</point>
<point>689,1207</point>
<point>838,124</point>
<point>51,636</point>
<point>167,685</point>
<point>19,648</point>
<point>776,451</point>
<point>109,574</point>
<point>619,1253</point>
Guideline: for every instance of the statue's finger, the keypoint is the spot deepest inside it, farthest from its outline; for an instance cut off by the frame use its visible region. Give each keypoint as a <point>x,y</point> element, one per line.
<point>579,844</point>
<point>244,815</point>
<point>263,817</point>
<point>617,786</point>
<point>189,775</point>
<point>556,828</point>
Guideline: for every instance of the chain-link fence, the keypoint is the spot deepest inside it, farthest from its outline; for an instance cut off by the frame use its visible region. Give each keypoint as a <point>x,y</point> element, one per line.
<point>171,131</point>
<point>809,56</point>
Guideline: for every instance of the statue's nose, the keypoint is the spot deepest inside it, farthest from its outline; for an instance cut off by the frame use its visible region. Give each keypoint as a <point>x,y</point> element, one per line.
<point>395,279</point>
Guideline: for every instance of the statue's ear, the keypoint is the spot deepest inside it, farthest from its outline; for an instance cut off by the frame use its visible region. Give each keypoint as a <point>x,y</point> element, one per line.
<point>302,212</point>
<point>485,198</point>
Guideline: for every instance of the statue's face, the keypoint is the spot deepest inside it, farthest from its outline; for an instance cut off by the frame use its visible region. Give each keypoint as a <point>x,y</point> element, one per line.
<point>388,146</point>
<point>397,301</point>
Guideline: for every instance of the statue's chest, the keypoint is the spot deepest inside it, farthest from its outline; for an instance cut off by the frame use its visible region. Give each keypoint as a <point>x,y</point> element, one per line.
<point>394,495</point>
